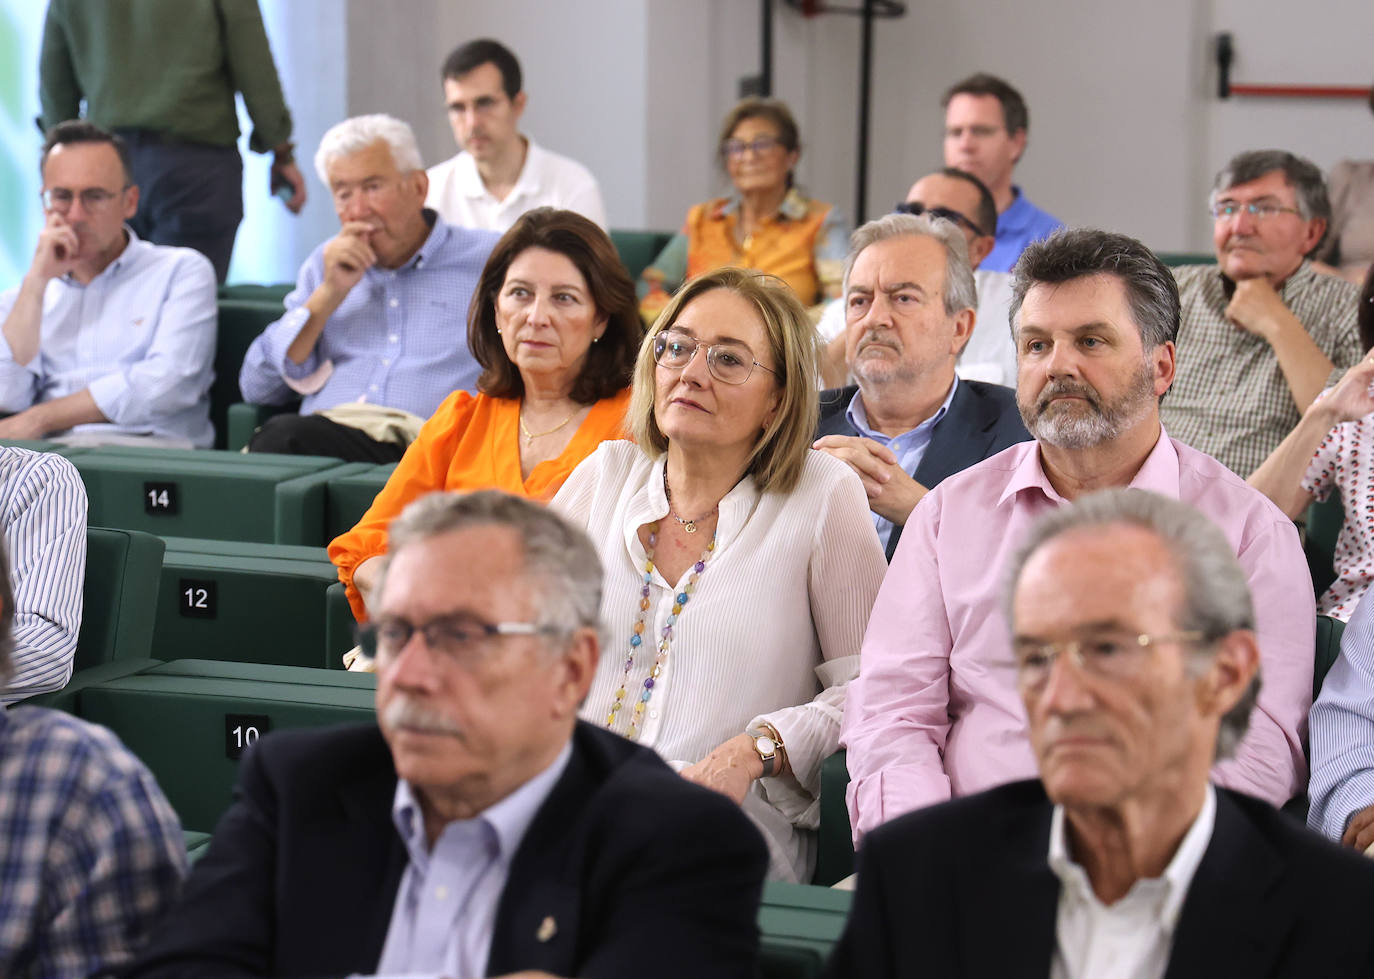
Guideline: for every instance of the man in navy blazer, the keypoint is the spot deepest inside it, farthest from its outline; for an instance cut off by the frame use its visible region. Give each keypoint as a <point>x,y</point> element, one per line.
<point>910,307</point>
<point>478,829</point>
<point>1135,654</point>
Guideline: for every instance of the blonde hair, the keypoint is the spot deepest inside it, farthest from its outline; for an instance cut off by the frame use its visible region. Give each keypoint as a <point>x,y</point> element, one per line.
<point>778,456</point>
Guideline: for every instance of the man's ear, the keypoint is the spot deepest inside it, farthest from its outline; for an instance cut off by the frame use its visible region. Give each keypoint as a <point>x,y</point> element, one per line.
<point>963,330</point>
<point>980,248</point>
<point>574,671</point>
<point>1235,662</point>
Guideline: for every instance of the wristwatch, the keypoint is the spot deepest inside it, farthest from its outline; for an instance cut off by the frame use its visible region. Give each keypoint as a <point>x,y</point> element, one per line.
<point>769,747</point>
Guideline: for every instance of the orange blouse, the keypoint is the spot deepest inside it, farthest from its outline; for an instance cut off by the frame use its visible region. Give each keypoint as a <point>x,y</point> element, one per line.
<point>469,443</point>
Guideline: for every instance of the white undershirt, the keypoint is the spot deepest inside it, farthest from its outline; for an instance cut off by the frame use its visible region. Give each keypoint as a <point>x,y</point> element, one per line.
<point>1131,938</point>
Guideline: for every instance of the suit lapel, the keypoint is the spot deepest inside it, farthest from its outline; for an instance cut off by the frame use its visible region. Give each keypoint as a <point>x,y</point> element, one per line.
<point>833,417</point>
<point>961,439</point>
<point>1235,919</point>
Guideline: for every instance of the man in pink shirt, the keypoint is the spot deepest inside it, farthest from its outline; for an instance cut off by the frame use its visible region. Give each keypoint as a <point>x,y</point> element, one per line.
<point>935,712</point>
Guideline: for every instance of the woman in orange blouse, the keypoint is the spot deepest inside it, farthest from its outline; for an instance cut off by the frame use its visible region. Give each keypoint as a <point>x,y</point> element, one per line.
<point>553,324</point>
<point>767,224</point>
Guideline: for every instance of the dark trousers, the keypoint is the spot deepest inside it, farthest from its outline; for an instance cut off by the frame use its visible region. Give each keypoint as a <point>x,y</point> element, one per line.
<point>190,194</point>
<point>316,435</point>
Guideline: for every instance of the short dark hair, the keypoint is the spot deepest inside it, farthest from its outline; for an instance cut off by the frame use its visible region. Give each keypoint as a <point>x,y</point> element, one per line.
<point>1366,311</point>
<point>1015,115</point>
<point>483,51</point>
<point>987,207</point>
<point>1304,176</point>
<point>1074,253</point>
<point>610,361</point>
<point>80,131</point>
<point>6,616</point>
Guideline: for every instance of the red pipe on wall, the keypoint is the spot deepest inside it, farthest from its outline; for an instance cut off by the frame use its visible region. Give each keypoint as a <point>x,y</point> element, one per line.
<point>1302,91</point>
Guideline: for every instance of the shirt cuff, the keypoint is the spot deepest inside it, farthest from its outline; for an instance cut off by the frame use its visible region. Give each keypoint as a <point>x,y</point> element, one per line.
<point>112,395</point>
<point>311,382</point>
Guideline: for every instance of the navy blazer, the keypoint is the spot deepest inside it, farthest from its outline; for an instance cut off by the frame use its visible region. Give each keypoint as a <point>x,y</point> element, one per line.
<point>627,870</point>
<point>982,421</point>
<point>964,890</point>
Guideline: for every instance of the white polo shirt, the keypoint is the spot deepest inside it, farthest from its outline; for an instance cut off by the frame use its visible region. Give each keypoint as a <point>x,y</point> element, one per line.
<point>456,190</point>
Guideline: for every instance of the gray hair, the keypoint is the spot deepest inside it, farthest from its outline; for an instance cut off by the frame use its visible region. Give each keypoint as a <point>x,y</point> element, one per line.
<point>1216,594</point>
<point>358,133</point>
<point>1075,253</point>
<point>1309,186</point>
<point>560,559</point>
<point>960,291</point>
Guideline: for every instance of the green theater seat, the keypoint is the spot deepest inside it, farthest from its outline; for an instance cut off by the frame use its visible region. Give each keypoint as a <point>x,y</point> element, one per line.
<point>835,849</point>
<point>250,603</point>
<point>348,495</point>
<point>638,249</point>
<point>119,599</point>
<point>802,919</point>
<point>242,318</point>
<point>1324,521</point>
<point>203,493</point>
<point>189,721</point>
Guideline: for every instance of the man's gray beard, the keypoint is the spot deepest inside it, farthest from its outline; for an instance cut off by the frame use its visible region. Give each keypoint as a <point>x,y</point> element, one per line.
<point>1098,422</point>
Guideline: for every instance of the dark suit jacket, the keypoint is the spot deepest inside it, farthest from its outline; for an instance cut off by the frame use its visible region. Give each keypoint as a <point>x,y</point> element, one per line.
<point>982,421</point>
<point>964,889</point>
<point>642,872</point>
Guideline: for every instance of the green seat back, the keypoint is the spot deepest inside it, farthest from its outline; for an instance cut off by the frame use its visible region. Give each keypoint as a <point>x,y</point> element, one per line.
<point>249,603</point>
<point>787,962</point>
<point>349,495</point>
<point>1329,631</point>
<point>1324,521</point>
<point>240,322</point>
<point>1174,259</point>
<point>188,721</point>
<point>804,918</point>
<point>835,850</point>
<point>638,249</point>
<point>119,599</point>
<point>275,292</point>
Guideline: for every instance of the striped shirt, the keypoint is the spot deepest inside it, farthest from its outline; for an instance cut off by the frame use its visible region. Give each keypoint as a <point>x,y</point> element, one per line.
<point>1229,398</point>
<point>1341,729</point>
<point>399,338</point>
<point>91,853</point>
<point>43,513</point>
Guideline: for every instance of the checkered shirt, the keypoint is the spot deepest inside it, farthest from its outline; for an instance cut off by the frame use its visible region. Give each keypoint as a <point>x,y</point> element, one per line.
<point>91,854</point>
<point>1229,398</point>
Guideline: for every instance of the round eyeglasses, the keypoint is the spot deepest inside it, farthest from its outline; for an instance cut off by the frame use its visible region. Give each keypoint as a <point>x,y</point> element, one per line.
<point>729,361</point>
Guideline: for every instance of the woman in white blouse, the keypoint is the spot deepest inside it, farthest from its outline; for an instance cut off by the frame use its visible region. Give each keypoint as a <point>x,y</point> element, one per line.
<point>740,565</point>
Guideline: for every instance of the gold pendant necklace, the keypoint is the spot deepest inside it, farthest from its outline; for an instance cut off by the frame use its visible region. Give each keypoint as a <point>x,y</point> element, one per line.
<point>688,525</point>
<point>531,436</point>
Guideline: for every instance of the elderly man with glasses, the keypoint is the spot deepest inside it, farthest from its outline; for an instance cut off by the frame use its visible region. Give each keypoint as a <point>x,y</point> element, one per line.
<point>108,339</point>
<point>1262,331</point>
<point>1135,657</point>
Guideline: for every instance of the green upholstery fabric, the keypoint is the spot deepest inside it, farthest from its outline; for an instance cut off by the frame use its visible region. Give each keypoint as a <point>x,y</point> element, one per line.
<point>274,292</point>
<point>1174,259</point>
<point>196,844</point>
<point>787,962</point>
<point>1329,633</point>
<point>240,322</point>
<point>119,599</point>
<point>246,418</point>
<point>221,495</point>
<point>1324,522</point>
<point>802,917</point>
<point>349,495</point>
<point>638,249</point>
<point>338,624</point>
<point>835,850</point>
<point>262,603</point>
<point>175,717</point>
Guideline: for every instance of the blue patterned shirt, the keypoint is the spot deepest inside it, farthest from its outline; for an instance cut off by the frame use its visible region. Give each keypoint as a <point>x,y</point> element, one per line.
<point>91,853</point>
<point>399,338</point>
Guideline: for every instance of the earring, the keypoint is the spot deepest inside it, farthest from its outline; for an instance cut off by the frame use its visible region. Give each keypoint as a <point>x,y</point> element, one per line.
<point>594,339</point>
<point>498,331</point>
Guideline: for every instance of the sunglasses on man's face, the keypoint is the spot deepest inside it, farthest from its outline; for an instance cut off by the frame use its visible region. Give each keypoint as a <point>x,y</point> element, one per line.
<point>917,208</point>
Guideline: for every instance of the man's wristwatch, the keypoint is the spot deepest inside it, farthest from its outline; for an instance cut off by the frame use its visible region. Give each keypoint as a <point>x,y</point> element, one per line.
<point>769,747</point>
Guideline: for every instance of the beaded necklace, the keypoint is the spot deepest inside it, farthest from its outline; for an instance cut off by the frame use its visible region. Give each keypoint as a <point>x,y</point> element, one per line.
<point>665,638</point>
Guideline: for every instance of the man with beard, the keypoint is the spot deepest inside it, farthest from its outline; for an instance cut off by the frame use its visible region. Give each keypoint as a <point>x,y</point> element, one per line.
<point>934,712</point>
<point>910,421</point>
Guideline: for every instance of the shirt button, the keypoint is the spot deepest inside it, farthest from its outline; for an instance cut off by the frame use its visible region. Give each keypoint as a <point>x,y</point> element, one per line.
<point>441,892</point>
<point>393,338</point>
<point>373,389</point>
<point>394,303</point>
<point>386,362</point>
<point>653,714</point>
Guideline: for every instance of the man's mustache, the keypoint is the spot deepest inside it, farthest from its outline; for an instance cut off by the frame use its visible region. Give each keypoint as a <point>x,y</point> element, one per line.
<point>1060,389</point>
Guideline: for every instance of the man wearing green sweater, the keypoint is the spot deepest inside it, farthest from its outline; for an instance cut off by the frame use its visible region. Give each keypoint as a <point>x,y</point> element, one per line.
<point>163,75</point>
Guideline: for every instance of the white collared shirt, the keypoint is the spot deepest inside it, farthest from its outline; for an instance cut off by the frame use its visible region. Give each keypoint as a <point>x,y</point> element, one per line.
<point>547,179</point>
<point>1131,938</point>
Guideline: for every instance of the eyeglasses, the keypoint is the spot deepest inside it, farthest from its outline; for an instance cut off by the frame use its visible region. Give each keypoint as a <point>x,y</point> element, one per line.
<point>60,199</point>
<point>917,208</point>
<point>1109,655</point>
<point>462,639</point>
<point>1229,209</point>
<point>760,145</point>
<point>728,362</point>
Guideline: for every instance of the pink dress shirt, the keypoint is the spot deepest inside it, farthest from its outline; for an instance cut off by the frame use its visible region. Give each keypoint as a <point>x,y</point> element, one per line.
<point>935,713</point>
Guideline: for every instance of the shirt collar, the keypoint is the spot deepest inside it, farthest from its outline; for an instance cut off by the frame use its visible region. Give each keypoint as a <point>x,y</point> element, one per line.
<point>527,182</point>
<point>1177,877</point>
<point>794,206</point>
<point>126,258</point>
<point>507,820</point>
<point>857,415</point>
<point>439,231</point>
<point>1018,214</point>
<point>1158,473</point>
<point>650,503</point>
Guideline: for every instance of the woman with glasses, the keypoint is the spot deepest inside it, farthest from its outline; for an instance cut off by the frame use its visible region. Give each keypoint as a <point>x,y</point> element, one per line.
<point>739,565</point>
<point>765,224</point>
<point>553,324</point>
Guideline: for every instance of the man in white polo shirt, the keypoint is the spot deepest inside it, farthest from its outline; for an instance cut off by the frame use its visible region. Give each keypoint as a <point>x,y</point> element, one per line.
<point>500,174</point>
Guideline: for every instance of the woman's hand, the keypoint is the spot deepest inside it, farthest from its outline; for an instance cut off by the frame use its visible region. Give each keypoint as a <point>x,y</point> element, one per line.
<point>729,769</point>
<point>365,577</point>
<point>1351,400</point>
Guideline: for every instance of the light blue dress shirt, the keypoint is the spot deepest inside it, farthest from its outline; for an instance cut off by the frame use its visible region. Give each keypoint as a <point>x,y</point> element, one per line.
<point>399,338</point>
<point>140,336</point>
<point>1018,226</point>
<point>909,447</point>
<point>1341,729</point>
<point>445,910</point>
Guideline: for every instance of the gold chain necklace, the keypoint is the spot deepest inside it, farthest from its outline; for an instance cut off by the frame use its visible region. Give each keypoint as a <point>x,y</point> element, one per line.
<point>531,436</point>
<point>688,525</point>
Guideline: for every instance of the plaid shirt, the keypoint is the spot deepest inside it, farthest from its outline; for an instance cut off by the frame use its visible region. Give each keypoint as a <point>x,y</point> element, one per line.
<point>91,854</point>
<point>1229,398</point>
